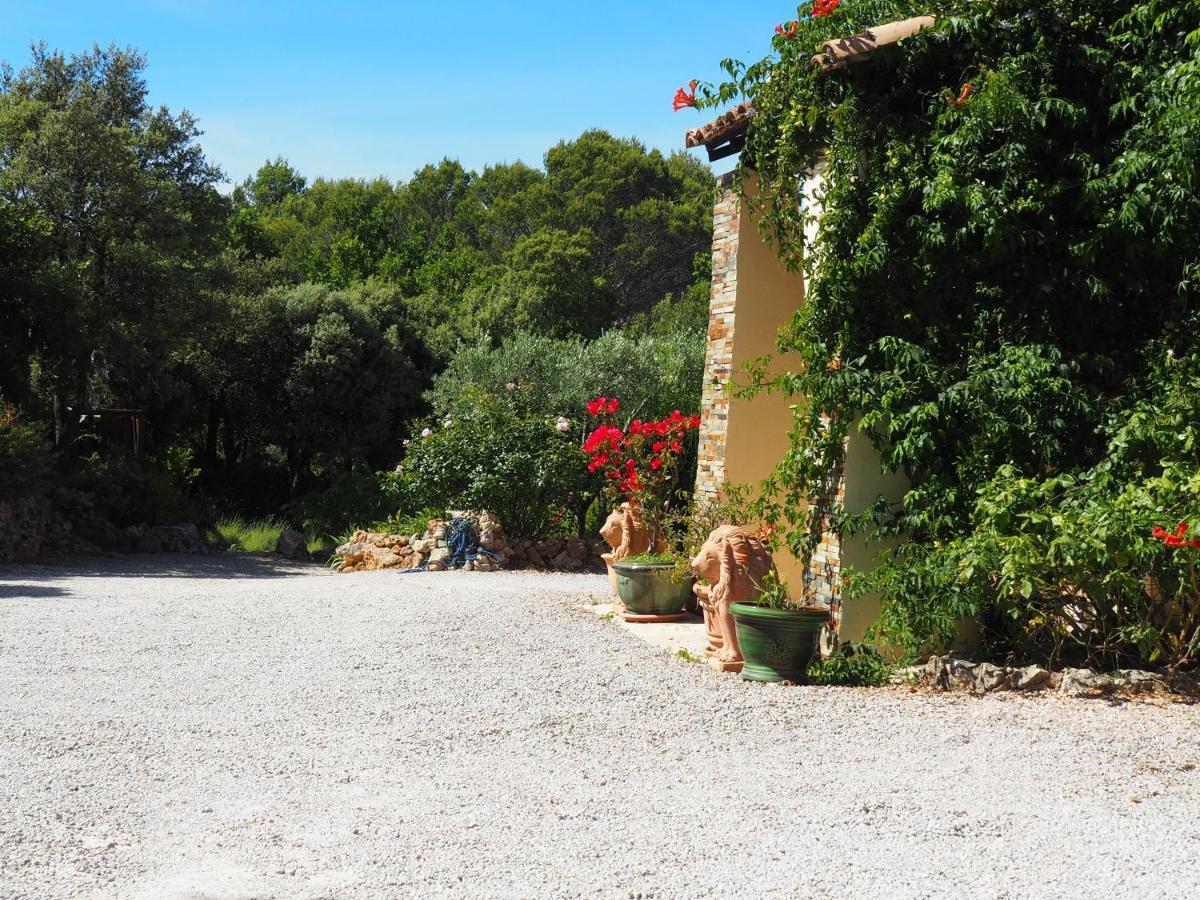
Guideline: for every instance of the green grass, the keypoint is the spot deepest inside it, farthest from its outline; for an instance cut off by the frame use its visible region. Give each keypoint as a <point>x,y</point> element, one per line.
<point>262,536</point>
<point>256,536</point>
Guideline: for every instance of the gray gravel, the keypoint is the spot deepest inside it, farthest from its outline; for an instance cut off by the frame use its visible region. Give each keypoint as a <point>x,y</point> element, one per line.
<point>230,727</point>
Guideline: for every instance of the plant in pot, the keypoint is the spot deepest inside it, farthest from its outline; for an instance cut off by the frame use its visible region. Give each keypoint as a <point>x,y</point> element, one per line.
<point>777,635</point>
<point>640,464</point>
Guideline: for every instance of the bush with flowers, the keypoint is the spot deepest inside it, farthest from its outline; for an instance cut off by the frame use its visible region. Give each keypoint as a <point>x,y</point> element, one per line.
<point>640,460</point>
<point>528,471</point>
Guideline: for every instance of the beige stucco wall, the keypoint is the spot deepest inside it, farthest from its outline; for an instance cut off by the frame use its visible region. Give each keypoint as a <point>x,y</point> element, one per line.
<point>864,483</point>
<point>767,295</point>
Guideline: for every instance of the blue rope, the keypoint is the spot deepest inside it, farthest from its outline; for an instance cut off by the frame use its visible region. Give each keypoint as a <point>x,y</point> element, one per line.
<point>462,540</point>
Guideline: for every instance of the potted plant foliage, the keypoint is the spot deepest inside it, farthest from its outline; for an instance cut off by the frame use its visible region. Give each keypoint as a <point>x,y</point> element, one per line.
<point>640,464</point>
<point>777,635</point>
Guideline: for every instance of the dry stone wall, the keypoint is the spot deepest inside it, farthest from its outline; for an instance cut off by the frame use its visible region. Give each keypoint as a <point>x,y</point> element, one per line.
<point>367,551</point>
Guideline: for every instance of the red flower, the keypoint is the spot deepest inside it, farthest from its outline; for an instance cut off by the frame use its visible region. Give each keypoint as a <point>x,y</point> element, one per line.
<point>1176,539</point>
<point>823,8</point>
<point>657,446</point>
<point>597,406</point>
<point>684,99</point>
<point>676,447</point>
<point>787,30</point>
<point>613,405</point>
<point>963,96</point>
<point>656,464</point>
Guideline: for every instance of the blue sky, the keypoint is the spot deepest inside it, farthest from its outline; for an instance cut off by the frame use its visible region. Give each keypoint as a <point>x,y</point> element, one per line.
<point>357,88</point>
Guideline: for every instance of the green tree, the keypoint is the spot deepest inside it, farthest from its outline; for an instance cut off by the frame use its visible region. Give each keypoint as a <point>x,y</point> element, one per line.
<point>127,206</point>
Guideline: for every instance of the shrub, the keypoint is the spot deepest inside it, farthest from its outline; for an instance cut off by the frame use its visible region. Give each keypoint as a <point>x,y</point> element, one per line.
<point>543,377</point>
<point>348,498</point>
<point>24,457</point>
<point>1068,566</point>
<point>854,665</point>
<point>132,491</point>
<point>522,469</point>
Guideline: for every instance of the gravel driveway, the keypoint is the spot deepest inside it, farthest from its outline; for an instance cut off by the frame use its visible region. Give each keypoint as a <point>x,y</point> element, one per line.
<point>232,727</point>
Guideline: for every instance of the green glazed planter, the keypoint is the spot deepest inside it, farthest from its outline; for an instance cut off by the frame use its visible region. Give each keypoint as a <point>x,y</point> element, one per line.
<point>777,644</point>
<point>649,594</point>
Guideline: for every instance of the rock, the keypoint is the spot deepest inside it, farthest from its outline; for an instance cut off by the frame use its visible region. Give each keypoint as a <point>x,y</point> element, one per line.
<point>576,549</point>
<point>1029,678</point>
<point>490,539</point>
<point>375,557</point>
<point>534,558</point>
<point>436,567</point>
<point>25,529</point>
<point>421,545</point>
<point>988,677</point>
<point>949,672</point>
<point>292,545</point>
<point>468,566</point>
<point>565,560</point>
<point>1143,682</point>
<point>148,543</point>
<point>1079,682</point>
<point>438,556</point>
<point>101,532</point>
<point>181,538</point>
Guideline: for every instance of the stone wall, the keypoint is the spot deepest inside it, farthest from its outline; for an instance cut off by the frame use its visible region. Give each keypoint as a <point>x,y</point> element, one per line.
<point>718,359</point>
<point>367,551</point>
<point>23,526</point>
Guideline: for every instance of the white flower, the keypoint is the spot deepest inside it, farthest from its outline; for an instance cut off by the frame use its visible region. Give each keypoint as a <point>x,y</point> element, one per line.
<point>446,422</point>
<point>426,432</point>
<point>406,442</point>
<point>563,424</point>
<point>511,386</point>
<point>399,468</point>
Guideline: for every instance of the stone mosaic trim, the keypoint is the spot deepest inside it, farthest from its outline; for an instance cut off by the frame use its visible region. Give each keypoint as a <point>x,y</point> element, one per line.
<point>823,577</point>
<point>718,359</point>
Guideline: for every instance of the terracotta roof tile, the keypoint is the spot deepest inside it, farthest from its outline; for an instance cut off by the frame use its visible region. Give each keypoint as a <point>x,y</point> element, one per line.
<point>725,134</point>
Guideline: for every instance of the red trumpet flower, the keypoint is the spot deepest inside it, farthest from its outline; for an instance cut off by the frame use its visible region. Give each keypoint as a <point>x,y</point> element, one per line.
<point>824,7</point>
<point>684,99</point>
<point>787,30</point>
<point>963,96</point>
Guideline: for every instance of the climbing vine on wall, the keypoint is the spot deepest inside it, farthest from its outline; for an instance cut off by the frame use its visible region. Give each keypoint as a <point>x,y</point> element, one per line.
<point>1005,259</point>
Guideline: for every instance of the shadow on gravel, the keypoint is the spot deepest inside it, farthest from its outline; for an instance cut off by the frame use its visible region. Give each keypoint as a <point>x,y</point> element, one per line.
<point>29,591</point>
<point>164,565</point>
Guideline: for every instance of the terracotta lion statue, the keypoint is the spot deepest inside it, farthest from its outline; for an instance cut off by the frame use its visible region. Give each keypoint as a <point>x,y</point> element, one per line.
<point>625,533</point>
<point>734,562</point>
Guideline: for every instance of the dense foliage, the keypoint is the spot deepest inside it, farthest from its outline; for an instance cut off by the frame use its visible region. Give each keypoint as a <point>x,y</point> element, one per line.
<point>283,337</point>
<point>526,470</point>
<point>1002,290</point>
<point>24,457</point>
<point>536,375</point>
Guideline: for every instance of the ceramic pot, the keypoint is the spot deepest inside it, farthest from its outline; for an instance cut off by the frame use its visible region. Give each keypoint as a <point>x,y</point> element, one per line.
<point>777,644</point>
<point>649,594</point>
